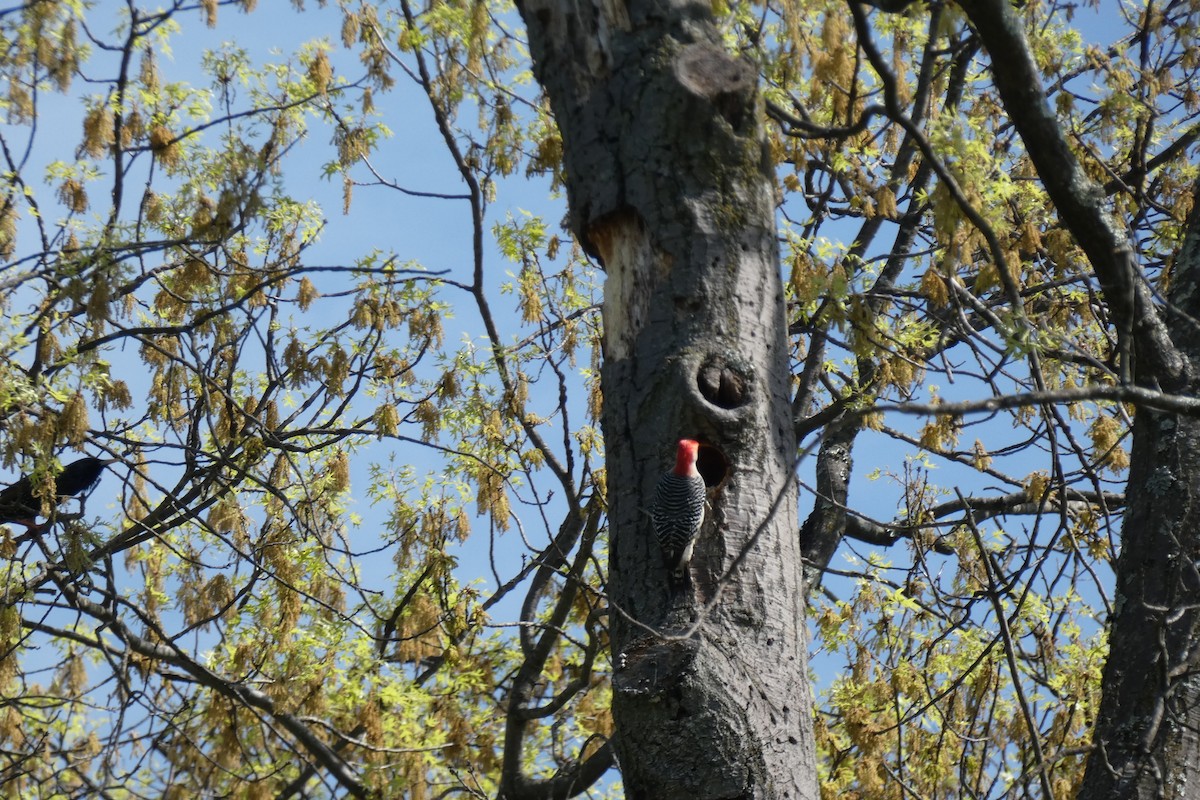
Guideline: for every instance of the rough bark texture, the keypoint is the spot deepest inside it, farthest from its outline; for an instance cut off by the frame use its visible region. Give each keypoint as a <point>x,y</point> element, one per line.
<point>821,532</point>
<point>669,183</point>
<point>1146,736</point>
<point>1146,741</point>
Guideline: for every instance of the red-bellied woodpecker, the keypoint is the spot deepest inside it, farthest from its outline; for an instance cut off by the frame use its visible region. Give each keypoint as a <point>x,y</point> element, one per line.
<point>679,510</point>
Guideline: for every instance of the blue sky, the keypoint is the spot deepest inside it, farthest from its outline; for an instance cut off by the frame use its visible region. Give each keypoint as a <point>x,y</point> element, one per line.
<point>437,234</point>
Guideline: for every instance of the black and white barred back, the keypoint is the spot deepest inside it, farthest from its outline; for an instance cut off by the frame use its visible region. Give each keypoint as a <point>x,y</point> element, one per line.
<point>678,514</point>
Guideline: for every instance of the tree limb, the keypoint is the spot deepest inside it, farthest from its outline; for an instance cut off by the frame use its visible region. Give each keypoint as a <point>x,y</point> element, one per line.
<point>1080,202</point>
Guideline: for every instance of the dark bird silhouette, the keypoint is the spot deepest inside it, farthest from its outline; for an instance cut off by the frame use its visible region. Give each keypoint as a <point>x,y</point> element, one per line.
<point>18,503</point>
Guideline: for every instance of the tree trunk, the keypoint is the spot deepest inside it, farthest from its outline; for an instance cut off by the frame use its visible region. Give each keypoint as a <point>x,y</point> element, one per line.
<point>670,187</point>
<point>1146,740</point>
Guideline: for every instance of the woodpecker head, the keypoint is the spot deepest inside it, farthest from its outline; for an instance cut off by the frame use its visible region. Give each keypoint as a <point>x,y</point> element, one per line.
<point>685,458</point>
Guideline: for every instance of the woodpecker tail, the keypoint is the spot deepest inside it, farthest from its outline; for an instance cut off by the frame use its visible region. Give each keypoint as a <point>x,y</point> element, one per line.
<point>679,582</point>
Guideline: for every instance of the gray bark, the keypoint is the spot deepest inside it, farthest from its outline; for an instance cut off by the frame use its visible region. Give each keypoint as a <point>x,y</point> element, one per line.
<point>823,529</point>
<point>670,187</point>
<point>1145,740</point>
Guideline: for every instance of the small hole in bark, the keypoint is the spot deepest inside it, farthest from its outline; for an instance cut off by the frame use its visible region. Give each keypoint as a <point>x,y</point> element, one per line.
<point>712,465</point>
<point>721,384</point>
